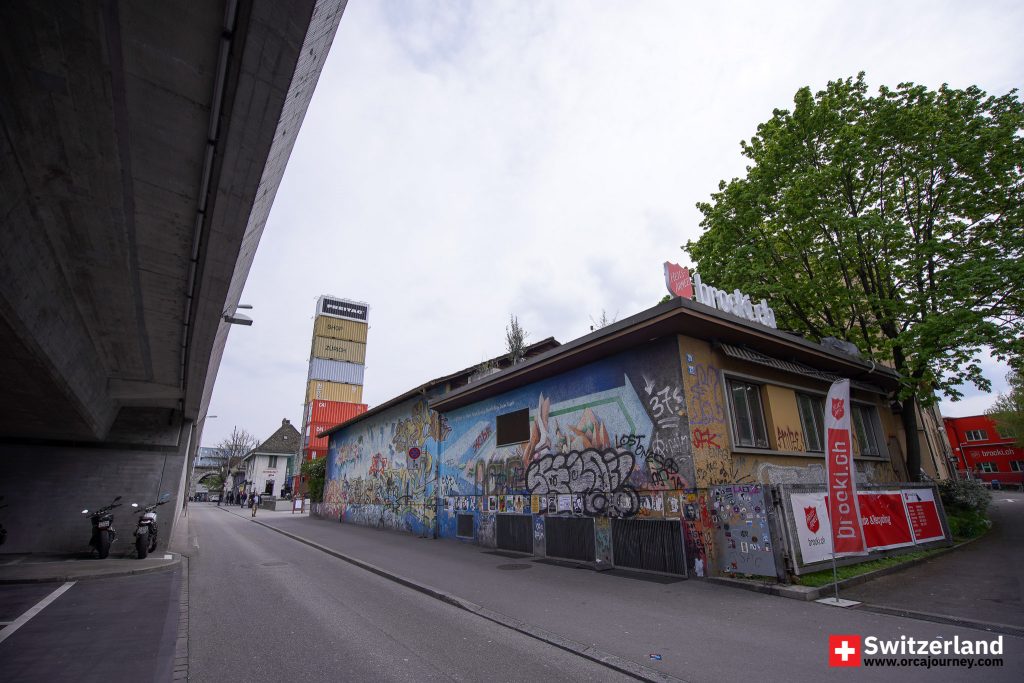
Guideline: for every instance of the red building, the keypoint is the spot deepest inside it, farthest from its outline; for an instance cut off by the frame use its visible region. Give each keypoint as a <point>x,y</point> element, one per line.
<point>983,452</point>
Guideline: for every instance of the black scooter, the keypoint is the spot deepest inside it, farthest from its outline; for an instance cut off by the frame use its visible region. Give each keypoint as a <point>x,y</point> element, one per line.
<point>103,532</point>
<point>146,530</point>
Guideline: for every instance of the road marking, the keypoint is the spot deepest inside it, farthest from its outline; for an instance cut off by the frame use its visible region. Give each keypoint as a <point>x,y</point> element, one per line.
<point>39,606</point>
<point>169,557</point>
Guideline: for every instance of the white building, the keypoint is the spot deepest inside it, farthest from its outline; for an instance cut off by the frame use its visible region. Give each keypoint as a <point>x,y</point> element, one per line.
<point>267,464</point>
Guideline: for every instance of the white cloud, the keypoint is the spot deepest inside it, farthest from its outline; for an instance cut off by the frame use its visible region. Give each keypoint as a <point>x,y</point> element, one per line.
<point>460,162</point>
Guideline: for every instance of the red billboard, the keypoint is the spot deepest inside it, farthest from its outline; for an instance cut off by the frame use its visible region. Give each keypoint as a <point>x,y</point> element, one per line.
<point>884,520</point>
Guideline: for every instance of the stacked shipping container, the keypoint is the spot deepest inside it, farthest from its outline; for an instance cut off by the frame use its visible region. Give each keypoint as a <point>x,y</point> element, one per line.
<point>334,384</point>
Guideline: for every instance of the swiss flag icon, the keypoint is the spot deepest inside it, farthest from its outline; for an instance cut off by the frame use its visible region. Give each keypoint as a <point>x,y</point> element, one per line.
<point>844,650</point>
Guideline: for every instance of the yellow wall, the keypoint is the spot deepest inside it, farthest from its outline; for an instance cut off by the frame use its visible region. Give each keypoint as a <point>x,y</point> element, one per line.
<point>716,461</point>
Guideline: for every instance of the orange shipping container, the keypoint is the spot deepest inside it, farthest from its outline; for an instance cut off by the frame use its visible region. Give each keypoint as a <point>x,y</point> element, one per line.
<point>337,349</point>
<point>338,328</point>
<point>333,391</point>
<point>334,412</point>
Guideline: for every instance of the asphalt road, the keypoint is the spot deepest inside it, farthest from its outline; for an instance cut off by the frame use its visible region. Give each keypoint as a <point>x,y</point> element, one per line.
<point>104,630</point>
<point>263,607</point>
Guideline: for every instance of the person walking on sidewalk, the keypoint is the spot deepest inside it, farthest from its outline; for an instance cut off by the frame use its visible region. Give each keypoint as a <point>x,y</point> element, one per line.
<point>255,503</point>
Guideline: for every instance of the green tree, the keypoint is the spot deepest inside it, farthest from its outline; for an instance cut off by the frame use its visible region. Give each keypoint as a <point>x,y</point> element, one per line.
<point>232,449</point>
<point>515,340</point>
<point>892,221</point>
<point>315,472</point>
<point>1008,410</point>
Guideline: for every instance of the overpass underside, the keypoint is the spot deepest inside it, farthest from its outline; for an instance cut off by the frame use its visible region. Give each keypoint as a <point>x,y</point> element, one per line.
<point>142,147</point>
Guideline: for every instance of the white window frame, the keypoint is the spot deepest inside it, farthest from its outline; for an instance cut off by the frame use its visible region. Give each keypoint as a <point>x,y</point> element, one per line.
<point>988,467</point>
<point>862,429</point>
<point>817,428</point>
<point>976,435</point>
<point>761,443</point>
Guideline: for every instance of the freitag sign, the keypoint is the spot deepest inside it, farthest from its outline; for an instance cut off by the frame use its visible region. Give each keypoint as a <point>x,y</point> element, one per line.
<point>343,308</point>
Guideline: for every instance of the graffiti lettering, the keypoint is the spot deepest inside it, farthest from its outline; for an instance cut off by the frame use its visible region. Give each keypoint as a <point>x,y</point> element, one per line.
<point>789,439</point>
<point>706,388</point>
<point>703,438</point>
<point>600,475</point>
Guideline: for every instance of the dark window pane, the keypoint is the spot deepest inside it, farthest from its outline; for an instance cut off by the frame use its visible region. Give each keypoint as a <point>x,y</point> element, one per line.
<point>513,427</point>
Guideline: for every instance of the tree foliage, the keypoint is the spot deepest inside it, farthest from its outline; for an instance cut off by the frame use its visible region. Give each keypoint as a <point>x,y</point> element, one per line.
<point>315,472</point>
<point>232,449</point>
<point>515,340</point>
<point>1008,410</point>
<point>892,221</point>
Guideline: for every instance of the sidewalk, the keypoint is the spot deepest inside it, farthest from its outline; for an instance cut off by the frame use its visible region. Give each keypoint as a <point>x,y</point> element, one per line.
<point>983,581</point>
<point>693,625</point>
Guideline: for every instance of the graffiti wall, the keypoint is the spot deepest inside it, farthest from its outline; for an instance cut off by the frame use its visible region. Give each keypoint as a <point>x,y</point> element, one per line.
<point>740,519</point>
<point>382,471</point>
<point>602,439</point>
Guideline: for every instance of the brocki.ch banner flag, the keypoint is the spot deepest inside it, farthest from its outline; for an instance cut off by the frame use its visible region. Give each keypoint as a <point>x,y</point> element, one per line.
<point>843,507</point>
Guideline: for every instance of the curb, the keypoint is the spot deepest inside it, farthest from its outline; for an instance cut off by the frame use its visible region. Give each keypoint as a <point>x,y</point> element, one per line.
<point>607,659</point>
<point>91,577</point>
<point>991,627</point>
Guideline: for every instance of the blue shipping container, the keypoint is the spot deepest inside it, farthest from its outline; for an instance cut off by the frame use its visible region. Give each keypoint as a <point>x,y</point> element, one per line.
<point>335,371</point>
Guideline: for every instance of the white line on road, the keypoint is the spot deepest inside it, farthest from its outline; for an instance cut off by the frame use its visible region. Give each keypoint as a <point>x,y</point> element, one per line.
<point>39,606</point>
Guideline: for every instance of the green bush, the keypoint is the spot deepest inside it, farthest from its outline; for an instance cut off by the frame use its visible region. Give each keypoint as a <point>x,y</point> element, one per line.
<point>315,471</point>
<point>967,523</point>
<point>968,495</point>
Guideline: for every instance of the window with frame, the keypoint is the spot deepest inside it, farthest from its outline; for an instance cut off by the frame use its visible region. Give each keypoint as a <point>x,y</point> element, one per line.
<point>868,429</point>
<point>747,414</point>
<point>976,435</point>
<point>1017,465</point>
<point>272,462</point>
<point>987,467</point>
<point>812,419</point>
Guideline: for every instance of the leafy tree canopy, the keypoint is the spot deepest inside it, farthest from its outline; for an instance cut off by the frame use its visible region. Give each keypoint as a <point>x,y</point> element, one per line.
<point>315,472</point>
<point>892,221</point>
<point>1008,410</point>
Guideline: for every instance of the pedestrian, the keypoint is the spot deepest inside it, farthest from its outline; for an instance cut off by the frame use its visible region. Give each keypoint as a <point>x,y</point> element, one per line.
<point>241,502</point>
<point>255,503</point>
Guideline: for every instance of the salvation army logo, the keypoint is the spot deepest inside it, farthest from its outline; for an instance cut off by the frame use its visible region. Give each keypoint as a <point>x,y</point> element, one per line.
<point>811,513</point>
<point>844,650</point>
<point>838,408</point>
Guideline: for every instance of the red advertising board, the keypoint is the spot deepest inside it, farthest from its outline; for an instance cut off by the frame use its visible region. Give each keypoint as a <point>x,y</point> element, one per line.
<point>884,520</point>
<point>923,514</point>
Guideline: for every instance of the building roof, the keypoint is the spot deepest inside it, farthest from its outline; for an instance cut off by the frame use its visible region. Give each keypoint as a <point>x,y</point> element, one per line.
<point>285,441</point>
<point>678,316</point>
<point>455,379</point>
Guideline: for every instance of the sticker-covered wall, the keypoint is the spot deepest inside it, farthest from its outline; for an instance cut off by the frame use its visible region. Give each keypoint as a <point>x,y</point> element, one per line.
<point>381,470</point>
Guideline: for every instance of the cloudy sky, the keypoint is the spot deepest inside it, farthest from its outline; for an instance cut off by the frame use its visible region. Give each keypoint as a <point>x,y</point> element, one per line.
<point>461,162</point>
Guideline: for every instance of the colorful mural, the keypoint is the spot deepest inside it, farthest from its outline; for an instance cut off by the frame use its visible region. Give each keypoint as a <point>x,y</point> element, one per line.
<point>372,478</point>
<point>601,437</point>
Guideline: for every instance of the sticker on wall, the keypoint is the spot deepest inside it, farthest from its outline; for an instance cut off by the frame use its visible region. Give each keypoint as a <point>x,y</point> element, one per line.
<point>449,503</point>
<point>510,504</point>
<point>501,504</point>
<point>659,502</point>
<point>577,504</point>
<point>564,502</point>
<point>518,501</point>
<point>672,507</point>
<point>552,505</point>
<point>492,503</point>
<point>535,504</point>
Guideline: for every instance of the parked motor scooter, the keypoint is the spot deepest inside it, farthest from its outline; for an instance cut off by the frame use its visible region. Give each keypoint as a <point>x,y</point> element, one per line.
<point>103,532</point>
<point>146,530</point>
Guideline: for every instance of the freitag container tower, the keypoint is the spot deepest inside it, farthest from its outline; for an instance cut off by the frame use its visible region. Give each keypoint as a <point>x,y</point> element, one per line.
<point>334,384</point>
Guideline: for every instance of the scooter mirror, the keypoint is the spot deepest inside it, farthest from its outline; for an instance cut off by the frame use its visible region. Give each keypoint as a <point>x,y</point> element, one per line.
<point>85,512</point>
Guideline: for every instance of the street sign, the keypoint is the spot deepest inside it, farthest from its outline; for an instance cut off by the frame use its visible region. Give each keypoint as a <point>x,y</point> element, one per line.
<point>414,453</point>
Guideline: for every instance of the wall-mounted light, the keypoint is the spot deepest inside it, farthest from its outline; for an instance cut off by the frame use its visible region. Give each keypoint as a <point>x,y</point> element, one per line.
<point>237,318</point>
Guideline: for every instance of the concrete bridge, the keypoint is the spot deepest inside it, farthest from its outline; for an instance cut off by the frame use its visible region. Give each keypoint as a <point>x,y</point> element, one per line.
<point>142,147</point>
